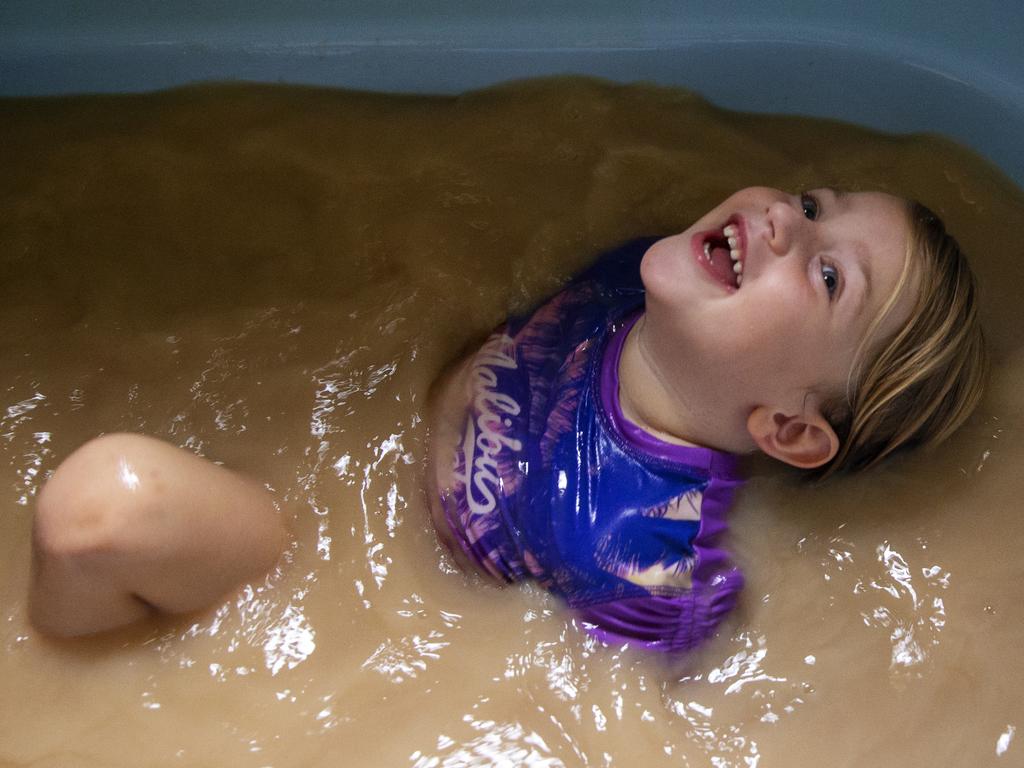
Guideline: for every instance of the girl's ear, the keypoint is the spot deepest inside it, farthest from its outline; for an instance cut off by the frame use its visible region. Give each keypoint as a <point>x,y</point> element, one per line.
<point>805,441</point>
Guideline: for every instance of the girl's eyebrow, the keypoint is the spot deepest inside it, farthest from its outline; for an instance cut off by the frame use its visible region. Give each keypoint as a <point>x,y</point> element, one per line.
<point>861,258</point>
<point>838,195</point>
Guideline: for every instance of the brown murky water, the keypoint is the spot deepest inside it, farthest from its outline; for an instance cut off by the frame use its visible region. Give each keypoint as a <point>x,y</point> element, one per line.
<point>272,277</point>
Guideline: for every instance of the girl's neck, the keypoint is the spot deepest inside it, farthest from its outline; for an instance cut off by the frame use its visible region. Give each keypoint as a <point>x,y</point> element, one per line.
<point>671,413</point>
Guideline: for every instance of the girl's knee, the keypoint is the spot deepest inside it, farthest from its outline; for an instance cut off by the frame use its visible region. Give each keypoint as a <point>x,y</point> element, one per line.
<point>128,521</point>
<point>94,495</point>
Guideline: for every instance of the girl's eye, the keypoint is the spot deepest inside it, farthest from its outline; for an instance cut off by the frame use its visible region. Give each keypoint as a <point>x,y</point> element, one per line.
<point>831,277</point>
<point>809,204</point>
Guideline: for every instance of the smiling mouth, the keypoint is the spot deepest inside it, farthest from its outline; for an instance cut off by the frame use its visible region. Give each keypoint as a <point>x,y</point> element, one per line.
<point>724,252</point>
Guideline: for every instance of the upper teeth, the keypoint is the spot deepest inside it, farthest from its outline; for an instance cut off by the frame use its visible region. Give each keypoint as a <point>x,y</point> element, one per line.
<point>733,236</point>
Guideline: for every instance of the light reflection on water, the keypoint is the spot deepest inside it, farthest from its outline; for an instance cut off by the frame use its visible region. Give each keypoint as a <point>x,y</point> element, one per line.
<point>405,658</point>
<point>499,744</point>
<point>1003,742</point>
<point>744,668</point>
<point>916,614</point>
<point>723,744</point>
<point>18,418</point>
<point>289,641</point>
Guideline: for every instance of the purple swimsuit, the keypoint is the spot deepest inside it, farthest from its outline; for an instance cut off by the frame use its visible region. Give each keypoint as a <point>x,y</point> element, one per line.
<point>553,483</point>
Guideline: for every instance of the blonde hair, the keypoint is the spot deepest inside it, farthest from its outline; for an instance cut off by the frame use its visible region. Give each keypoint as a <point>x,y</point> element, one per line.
<point>923,382</point>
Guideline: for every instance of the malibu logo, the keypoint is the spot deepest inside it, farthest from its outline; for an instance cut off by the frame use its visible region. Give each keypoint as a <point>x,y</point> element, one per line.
<point>483,440</point>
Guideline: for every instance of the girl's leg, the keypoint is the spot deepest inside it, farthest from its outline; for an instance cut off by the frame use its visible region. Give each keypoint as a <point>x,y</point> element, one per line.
<point>129,526</point>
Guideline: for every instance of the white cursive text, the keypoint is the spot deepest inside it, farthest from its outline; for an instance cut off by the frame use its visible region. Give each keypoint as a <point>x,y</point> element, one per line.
<point>482,443</point>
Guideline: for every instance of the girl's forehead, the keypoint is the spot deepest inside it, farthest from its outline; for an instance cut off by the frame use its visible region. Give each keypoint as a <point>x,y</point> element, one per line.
<point>882,224</point>
<point>889,209</point>
<point>876,226</point>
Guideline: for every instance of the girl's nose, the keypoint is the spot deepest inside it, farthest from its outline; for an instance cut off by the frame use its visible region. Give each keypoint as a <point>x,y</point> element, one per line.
<point>784,219</point>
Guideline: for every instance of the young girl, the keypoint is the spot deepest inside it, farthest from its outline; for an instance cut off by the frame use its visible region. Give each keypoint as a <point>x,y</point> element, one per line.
<point>592,444</point>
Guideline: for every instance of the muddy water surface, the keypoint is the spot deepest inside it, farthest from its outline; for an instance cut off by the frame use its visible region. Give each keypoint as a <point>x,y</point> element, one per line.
<point>272,277</point>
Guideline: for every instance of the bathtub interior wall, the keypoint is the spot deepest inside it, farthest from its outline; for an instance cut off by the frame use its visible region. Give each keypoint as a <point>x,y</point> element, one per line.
<point>272,277</point>
<point>944,67</point>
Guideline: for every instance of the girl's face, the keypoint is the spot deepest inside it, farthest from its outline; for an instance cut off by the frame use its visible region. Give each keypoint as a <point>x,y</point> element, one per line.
<point>814,270</point>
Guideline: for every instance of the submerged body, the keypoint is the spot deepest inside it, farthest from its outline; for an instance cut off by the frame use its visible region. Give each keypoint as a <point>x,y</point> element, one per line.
<point>539,475</point>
